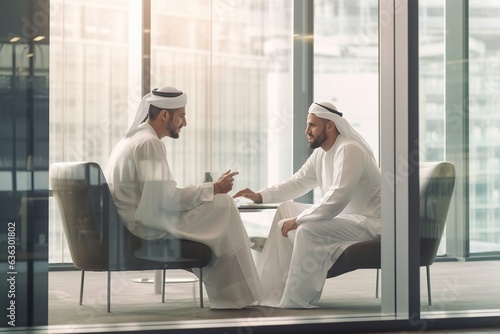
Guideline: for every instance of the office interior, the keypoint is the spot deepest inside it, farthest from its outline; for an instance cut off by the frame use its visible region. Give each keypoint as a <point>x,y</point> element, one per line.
<point>420,80</point>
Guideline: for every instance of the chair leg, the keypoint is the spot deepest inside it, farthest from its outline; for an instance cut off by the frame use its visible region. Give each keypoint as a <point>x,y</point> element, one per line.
<point>428,285</point>
<point>81,286</point>
<point>201,287</point>
<point>163,278</point>
<point>109,292</point>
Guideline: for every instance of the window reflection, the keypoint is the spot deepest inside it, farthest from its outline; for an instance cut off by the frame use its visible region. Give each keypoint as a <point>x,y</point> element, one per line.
<point>346,62</point>
<point>233,60</point>
<point>89,95</point>
<point>483,102</point>
<point>458,99</point>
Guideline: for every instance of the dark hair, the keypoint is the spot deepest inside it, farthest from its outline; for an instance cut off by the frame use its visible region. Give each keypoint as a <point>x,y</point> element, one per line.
<point>153,112</point>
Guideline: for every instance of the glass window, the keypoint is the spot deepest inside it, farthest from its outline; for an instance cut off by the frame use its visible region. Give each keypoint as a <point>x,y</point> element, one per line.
<point>89,89</point>
<point>346,62</point>
<point>238,79</point>
<point>458,96</point>
<point>484,98</point>
<point>24,111</point>
<point>234,62</point>
<point>239,105</point>
<point>234,59</point>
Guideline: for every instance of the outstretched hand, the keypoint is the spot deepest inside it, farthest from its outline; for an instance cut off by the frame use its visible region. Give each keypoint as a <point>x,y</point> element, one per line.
<point>225,182</point>
<point>250,194</point>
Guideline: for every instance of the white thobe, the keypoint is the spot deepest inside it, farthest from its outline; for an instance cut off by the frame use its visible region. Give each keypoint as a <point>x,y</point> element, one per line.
<point>293,269</point>
<point>154,207</point>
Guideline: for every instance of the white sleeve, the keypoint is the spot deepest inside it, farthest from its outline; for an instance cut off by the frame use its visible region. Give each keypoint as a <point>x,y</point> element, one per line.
<point>349,164</point>
<point>159,189</point>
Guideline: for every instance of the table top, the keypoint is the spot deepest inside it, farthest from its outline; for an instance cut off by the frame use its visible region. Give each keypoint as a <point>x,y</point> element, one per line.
<point>256,206</point>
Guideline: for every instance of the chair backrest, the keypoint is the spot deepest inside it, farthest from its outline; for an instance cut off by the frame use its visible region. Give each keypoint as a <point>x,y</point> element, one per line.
<point>437,181</point>
<point>96,236</point>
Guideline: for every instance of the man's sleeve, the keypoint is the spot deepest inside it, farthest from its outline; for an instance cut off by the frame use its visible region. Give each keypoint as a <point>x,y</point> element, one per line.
<point>349,165</point>
<point>158,184</point>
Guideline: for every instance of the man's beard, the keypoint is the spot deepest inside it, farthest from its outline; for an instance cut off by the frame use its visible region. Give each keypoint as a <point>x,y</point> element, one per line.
<point>172,132</point>
<point>318,140</point>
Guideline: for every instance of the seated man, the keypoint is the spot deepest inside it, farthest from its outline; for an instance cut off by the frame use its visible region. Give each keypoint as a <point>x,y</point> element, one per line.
<point>154,207</point>
<point>305,240</point>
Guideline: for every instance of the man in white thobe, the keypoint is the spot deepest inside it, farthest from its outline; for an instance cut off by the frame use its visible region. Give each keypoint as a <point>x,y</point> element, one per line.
<point>305,240</point>
<point>154,207</point>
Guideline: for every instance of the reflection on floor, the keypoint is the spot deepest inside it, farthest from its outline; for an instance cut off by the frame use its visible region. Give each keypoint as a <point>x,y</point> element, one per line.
<point>455,286</point>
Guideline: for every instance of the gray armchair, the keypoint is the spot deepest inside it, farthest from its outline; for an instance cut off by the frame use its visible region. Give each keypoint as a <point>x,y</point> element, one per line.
<point>99,241</point>
<point>437,181</point>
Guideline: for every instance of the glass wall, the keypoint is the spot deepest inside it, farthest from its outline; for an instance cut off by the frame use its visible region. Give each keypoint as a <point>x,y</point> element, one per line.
<point>483,227</point>
<point>484,126</point>
<point>89,89</point>
<point>24,136</point>
<point>346,62</point>
<point>234,58</point>
<point>459,89</point>
<point>234,61</point>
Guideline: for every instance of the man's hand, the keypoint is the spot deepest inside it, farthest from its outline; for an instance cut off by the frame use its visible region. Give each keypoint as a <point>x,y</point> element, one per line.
<point>290,224</point>
<point>224,183</point>
<point>250,194</point>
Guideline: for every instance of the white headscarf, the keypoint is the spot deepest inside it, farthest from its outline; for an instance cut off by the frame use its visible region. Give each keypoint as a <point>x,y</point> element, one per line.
<point>165,98</point>
<point>328,111</point>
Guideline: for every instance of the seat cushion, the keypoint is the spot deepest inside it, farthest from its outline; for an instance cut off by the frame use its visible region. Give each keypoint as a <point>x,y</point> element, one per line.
<point>361,255</point>
<point>169,254</point>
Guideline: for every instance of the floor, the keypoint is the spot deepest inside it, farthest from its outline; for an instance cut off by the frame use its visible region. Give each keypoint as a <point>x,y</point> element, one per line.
<point>456,287</point>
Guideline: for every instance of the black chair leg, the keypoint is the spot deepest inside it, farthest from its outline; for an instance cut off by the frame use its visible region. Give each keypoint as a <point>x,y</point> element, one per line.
<point>429,298</point>
<point>81,286</point>
<point>429,285</point>
<point>201,287</point>
<point>163,278</point>
<point>109,292</point>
